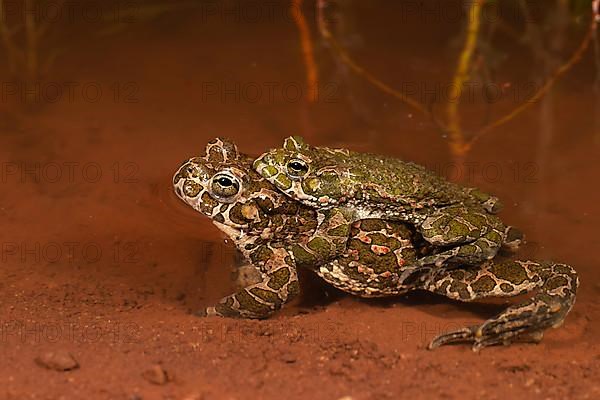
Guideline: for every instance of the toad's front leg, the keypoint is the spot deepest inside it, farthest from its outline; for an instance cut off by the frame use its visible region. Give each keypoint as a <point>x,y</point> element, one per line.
<point>261,300</point>
<point>556,286</point>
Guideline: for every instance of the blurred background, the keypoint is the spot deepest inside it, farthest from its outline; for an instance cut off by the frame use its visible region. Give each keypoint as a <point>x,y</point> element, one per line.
<point>100,102</point>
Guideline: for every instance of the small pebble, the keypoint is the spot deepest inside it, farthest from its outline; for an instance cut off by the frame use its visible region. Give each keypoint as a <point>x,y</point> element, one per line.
<point>156,375</point>
<point>288,358</point>
<point>57,360</point>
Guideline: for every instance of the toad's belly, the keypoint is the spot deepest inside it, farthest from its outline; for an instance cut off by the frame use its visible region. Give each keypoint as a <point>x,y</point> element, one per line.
<point>363,282</point>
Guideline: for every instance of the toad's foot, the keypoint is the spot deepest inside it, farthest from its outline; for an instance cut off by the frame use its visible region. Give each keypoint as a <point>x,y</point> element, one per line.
<point>523,322</point>
<point>556,286</point>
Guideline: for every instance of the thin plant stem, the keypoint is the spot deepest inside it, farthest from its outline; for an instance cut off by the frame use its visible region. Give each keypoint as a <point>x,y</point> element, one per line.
<point>312,77</point>
<point>321,4</point>
<point>11,50</point>
<point>560,71</point>
<point>458,146</point>
<point>32,42</point>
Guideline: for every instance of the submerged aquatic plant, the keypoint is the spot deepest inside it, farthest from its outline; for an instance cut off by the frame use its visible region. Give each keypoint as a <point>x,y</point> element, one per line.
<point>21,41</point>
<point>460,141</point>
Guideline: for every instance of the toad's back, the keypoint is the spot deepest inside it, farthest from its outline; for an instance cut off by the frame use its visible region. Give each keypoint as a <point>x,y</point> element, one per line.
<point>383,179</point>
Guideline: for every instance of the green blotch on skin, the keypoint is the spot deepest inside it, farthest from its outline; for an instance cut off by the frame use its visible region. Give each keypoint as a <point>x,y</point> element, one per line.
<point>460,288</point>
<point>459,275</point>
<point>461,230</point>
<point>555,283</point>
<point>262,255</point>
<point>226,311</point>
<point>479,195</point>
<point>302,256</point>
<point>506,288</point>
<point>468,249</point>
<point>269,171</point>
<point>283,181</point>
<point>319,245</point>
<point>293,289</point>
<point>249,303</point>
<point>370,225</point>
<point>476,219</point>
<point>279,279</point>
<point>483,285</point>
<point>510,271</point>
<point>495,206</point>
<point>311,185</point>
<point>340,231</point>
<point>380,239</point>
<point>494,236</point>
<point>267,295</point>
<point>449,228</point>
<point>226,308</point>
<point>563,269</point>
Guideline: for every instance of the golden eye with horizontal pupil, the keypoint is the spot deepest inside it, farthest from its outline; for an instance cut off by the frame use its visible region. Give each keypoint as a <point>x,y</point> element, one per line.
<point>224,186</point>
<point>297,168</point>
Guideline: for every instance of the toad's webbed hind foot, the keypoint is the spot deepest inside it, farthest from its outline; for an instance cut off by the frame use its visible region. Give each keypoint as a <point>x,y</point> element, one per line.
<point>556,286</point>
<point>524,322</point>
<point>471,334</point>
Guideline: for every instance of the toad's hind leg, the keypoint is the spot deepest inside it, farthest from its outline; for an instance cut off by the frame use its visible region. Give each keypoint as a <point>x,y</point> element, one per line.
<point>556,286</point>
<point>473,237</point>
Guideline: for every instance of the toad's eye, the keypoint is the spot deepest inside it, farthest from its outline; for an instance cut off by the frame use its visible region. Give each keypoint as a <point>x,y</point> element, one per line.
<point>224,186</point>
<point>297,168</point>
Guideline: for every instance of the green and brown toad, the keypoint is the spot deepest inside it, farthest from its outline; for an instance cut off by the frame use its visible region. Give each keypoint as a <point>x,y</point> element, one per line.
<point>345,186</point>
<point>272,232</point>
